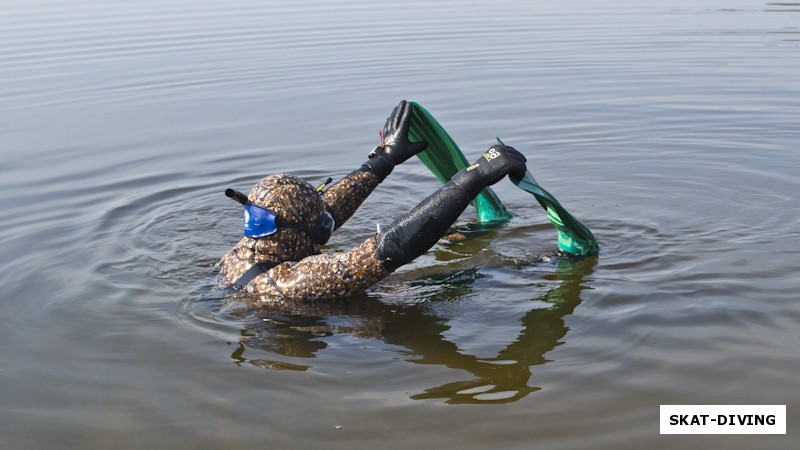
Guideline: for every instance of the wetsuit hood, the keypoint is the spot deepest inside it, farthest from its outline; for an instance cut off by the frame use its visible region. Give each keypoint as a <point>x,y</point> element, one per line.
<point>298,209</point>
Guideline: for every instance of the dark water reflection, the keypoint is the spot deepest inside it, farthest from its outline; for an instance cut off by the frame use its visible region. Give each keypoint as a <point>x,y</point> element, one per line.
<point>299,330</point>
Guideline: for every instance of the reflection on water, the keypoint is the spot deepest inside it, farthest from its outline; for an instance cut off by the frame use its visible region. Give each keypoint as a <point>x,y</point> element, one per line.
<point>300,329</point>
<point>782,7</point>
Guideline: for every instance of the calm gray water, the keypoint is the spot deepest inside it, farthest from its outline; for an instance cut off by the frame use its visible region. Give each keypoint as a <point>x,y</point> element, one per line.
<point>670,128</point>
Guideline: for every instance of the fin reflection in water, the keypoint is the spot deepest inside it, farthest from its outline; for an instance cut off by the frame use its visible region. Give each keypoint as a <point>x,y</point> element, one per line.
<point>299,329</point>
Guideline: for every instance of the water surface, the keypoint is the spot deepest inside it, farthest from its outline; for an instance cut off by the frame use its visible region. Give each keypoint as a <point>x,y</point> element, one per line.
<point>669,128</point>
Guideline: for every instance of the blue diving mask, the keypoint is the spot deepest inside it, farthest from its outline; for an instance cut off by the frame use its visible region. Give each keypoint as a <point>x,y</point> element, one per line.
<point>258,221</point>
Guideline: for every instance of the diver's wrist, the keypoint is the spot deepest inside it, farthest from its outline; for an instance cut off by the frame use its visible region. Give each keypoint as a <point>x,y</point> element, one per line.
<point>379,163</point>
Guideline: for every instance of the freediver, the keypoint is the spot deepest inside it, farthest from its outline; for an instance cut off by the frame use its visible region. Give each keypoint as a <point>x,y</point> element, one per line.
<point>286,220</point>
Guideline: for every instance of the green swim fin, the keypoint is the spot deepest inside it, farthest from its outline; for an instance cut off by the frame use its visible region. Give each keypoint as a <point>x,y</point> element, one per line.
<point>444,159</point>
<point>573,236</point>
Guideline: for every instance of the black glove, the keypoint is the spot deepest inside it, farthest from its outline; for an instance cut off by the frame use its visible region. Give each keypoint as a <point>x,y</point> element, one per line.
<point>395,134</point>
<point>491,167</point>
<point>414,233</point>
<point>395,148</point>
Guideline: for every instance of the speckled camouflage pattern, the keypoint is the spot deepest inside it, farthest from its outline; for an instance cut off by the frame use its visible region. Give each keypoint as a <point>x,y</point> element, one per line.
<point>294,199</point>
<point>323,276</point>
<point>290,198</point>
<point>272,250</point>
<point>344,197</point>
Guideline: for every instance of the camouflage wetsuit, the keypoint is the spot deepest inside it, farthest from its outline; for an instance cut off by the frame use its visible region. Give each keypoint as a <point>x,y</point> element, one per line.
<point>287,265</point>
<point>315,275</point>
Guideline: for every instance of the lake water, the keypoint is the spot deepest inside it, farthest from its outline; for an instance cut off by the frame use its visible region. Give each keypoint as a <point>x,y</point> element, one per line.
<point>670,128</point>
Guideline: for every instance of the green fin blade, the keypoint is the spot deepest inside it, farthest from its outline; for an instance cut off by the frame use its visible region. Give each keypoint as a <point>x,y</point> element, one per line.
<point>444,159</point>
<point>573,236</point>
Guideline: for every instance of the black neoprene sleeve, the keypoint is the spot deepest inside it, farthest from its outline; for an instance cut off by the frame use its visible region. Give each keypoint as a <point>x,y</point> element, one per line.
<point>414,233</point>
<point>379,163</point>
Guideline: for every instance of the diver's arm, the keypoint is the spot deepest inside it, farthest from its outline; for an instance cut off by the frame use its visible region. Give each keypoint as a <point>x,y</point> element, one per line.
<point>417,231</point>
<point>323,276</point>
<point>333,275</point>
<point>344,197</point>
